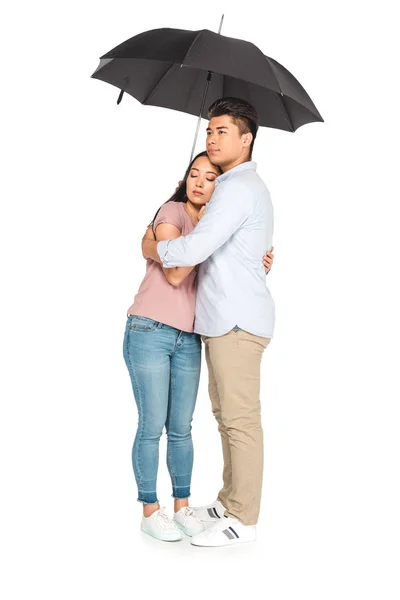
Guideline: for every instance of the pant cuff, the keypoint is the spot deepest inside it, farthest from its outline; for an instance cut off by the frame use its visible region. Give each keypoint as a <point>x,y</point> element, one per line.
<point>180,493</point>
<point>242,521</point>
<point>147,497</point>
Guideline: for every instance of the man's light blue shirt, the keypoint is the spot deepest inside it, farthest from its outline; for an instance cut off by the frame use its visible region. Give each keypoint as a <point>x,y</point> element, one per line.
<point>229,242</point>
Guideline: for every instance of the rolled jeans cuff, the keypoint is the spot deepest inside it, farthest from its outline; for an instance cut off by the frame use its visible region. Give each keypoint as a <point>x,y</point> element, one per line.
<point>181,492</point>
<point>148,495</point>
<point>181,487</point>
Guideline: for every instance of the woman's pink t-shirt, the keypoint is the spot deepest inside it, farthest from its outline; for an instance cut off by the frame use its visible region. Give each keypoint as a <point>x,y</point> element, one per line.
<point>159,300</point>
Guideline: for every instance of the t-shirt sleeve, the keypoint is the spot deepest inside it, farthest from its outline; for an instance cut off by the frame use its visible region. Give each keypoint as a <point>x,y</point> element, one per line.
<point>170,212</point>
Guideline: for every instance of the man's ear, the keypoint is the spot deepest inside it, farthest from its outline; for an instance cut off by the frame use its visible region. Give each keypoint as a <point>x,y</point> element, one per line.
<point>247,138</point>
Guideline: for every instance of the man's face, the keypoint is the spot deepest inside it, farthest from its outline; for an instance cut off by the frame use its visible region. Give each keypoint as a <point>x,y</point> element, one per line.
<point>225,145</point>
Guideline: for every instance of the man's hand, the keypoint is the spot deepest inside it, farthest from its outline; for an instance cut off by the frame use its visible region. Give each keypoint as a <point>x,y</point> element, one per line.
<point>268,259</point>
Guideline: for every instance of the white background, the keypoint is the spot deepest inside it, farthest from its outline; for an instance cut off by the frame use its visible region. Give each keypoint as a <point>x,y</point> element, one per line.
<point>81,179</point>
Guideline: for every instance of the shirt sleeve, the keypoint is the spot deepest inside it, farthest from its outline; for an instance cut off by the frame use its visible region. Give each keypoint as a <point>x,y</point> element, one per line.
<point>169,213</point>
<point>227,210</point>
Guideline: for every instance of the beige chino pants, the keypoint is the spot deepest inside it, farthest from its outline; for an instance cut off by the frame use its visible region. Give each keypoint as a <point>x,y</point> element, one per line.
<point>233,362</point>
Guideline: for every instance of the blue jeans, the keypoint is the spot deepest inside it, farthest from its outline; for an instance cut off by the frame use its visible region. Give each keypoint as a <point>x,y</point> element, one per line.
<point>164,366</point>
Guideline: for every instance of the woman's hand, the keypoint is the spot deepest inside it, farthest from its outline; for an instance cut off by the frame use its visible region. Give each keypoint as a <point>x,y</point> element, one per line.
<point>149,235</point>
<point>268,259</point>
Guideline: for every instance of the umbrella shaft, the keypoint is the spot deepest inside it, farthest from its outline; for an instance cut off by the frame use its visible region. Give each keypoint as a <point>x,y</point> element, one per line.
<point>204,100</point>
<point>201,112</point>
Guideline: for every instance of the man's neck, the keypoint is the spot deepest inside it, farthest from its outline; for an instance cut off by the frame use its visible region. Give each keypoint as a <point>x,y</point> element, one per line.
<point>234,164</point>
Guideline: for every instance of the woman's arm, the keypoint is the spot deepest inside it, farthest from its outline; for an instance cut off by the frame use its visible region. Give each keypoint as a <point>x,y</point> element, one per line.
<point>166,231</point>
<point>149,245</point>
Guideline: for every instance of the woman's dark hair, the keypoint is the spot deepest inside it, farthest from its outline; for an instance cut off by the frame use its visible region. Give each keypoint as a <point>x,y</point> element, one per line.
<point>180,194</point>
<point>243,114</point>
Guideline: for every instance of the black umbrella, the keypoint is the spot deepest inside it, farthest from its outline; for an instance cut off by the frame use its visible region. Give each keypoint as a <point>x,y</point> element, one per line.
<point>180,69</point>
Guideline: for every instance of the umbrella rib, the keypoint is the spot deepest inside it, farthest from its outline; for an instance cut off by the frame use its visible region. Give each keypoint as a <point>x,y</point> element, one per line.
<point>286,110</point>
<point>158,83</point>
<point>280,92</point>
<point>168,70</point>
<point>280,89</point>
<point>191,45</point>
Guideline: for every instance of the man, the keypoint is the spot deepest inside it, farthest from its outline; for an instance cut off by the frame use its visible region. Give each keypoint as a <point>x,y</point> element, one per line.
<point>234,313</point>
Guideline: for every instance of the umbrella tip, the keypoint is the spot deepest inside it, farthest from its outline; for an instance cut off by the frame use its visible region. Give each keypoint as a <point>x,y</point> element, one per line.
<point>120,96</point>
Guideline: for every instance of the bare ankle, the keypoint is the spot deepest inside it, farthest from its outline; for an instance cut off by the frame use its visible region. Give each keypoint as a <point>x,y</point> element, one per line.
<point>180,503</point>
<point>149,509</point>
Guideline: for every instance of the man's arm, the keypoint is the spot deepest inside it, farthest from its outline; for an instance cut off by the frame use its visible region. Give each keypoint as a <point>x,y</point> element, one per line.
<point>174,275</point>
<point>267,259</point>
<point>225,213</point>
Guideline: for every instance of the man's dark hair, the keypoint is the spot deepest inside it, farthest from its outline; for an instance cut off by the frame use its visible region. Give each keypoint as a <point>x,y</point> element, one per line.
<point>243,114</point>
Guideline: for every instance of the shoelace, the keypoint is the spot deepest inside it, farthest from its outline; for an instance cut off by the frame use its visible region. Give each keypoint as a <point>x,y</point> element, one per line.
<point>189,512</point>
<point>165,518</point>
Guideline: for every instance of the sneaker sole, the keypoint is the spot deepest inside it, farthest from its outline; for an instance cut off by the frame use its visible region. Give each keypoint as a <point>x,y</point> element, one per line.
<point>209,519</point>
<point>168,538</point>
<point>228,543</point>
<point>188,532</point>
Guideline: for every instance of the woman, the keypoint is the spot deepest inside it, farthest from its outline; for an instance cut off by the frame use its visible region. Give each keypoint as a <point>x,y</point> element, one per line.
<point>163,356</point>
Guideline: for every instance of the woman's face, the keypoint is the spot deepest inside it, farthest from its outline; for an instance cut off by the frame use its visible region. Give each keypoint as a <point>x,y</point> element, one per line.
<point>200,182</point>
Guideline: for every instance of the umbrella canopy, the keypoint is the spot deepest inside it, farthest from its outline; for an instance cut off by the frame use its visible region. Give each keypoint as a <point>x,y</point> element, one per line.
<point>172,68</point>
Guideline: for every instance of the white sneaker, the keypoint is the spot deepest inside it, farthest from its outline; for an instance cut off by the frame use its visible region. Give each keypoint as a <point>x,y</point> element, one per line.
<point>225,532</point>
<point>211,513</point>
<point>186,520</point>
<point>161,526</point>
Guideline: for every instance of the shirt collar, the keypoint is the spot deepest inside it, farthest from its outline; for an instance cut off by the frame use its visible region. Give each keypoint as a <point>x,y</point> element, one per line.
<point>250,164</point>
